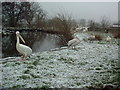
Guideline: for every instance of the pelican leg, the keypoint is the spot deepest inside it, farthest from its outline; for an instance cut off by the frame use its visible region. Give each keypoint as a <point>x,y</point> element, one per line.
<point>74,48</point>
<point>23,58</point>
<point>69,47</point>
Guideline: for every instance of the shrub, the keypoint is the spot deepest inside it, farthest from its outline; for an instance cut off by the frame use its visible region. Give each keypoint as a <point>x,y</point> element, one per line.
<point>116,34</point>
<point>98,37</point>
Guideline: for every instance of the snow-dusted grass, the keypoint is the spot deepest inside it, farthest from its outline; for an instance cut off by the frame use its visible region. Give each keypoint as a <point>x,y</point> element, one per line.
<point>0,75</point>
<point>91,64</point>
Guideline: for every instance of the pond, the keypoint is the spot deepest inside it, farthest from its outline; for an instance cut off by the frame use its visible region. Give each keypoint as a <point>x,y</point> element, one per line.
<point>38,41</point>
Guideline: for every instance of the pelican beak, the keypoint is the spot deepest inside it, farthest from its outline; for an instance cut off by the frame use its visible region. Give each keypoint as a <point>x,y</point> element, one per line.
<point>22,38</point>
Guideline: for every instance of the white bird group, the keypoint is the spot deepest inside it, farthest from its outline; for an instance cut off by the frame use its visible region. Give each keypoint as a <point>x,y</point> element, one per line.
<point>72,43</point>
<point>27,51</point>
<point>23,49</point>
<point>85,29</point>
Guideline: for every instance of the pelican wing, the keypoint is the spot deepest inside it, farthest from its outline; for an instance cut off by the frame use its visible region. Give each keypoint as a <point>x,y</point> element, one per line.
<point>72,42</point>
<point>23,49</point>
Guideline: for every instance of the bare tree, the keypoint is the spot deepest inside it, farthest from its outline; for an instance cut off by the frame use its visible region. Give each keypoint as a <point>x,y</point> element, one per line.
<point>39,15</point>
<point>63,23</point>
<point>12,12</point>
<point>66,23</point>
<point>94,26</point>
<point>104,22</point>
<point>83,22</point>
<point>91,24</point>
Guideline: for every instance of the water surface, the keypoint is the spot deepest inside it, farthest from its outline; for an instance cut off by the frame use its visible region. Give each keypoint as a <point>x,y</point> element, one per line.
<point>38,41</point>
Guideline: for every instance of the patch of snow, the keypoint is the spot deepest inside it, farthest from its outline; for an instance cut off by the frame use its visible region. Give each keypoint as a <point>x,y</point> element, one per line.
<point>88,64</point>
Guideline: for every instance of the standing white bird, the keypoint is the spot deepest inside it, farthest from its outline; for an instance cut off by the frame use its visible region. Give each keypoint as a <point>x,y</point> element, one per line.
<point>72,43</point>
<point>23,49</point>
<point>108,39</point>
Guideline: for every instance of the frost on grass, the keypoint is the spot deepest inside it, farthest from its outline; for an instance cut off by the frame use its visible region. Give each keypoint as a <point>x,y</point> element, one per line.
<point>0,75</point>
<point>91,64</point>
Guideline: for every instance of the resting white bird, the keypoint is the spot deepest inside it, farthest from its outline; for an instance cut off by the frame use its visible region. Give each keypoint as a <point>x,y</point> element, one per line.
<point>91,37</point>
<point>85,29</point>
<point>23,49</point>
<point>108,39</point>
<point>72,43</point>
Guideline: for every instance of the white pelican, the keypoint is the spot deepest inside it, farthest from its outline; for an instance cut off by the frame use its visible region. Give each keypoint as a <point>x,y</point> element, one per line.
<point>72,43</point>
<point>108,39</point>
<point>23,49</point>
<point>85,29</point>
<point>92,37</point>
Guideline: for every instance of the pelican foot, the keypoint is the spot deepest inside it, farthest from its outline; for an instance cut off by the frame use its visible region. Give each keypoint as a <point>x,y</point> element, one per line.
<point>23,58</point>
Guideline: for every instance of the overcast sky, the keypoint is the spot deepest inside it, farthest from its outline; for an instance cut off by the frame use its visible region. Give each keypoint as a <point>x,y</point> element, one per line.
<point>83,10</point>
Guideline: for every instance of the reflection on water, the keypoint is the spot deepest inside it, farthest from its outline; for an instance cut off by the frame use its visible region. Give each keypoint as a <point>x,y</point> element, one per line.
<point>47,43</point>
<point>38,41</point>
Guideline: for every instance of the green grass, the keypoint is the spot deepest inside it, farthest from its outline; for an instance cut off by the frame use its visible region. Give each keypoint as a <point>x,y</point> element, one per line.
<point>101,42</point>
<point>30,67</point>
<point>35,76</point>
<point>24,77</point>
<point>17,63</point>
<point>95,85</point>
<point>6,65</point>
<point>67,60</point>
<point>26,71</point>
<point>82,63</point>
<point>18,86</point>
<point>38,56</point>
<point>78,83</point>
<point>35,62</point>
<point>27,62</point>
<point>98,68</point>
<point>101,65</point>
<point>45,87</point>
<point>107,80</point>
